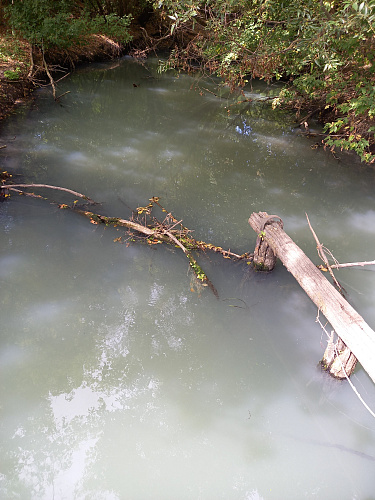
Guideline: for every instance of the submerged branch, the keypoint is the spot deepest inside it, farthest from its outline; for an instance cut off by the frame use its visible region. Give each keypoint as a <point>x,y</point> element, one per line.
<point>179,239</point>
<point>170,230</point>
<point>74,193</point>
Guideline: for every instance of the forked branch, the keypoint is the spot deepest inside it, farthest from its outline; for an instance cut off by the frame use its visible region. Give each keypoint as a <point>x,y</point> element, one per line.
<point>321,252</point>
<point>170,230</point>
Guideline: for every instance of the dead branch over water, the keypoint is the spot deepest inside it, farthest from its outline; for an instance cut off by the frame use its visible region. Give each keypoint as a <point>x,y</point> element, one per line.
<point>143,226</point>
<point>11,187</point>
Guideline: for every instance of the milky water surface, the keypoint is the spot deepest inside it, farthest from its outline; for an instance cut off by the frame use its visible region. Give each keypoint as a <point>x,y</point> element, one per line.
<point>121,377</point>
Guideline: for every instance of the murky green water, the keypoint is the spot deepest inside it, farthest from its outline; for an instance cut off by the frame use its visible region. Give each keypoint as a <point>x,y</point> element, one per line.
<point>120,379</point>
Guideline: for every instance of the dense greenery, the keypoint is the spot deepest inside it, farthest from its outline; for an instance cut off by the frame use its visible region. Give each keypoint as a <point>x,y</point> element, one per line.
<point>60,24</point>
<point>325,49</point>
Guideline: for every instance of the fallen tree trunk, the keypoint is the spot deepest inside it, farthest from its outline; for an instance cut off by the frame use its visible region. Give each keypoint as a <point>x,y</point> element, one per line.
<point>347,323</point>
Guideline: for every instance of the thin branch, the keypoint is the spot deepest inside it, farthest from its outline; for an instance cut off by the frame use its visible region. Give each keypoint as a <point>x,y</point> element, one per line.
<point>30,73</point>
<point>154,232</point>
<point>32,195</point>
<point>322,254</point>
<point>353,387</point>
<point>62,78</point>
<point>58,188</point>
<point>62,95</point>
<point>175,240</point>
<point>49,75</point>
<point>353,264</point>
<point>96,218</point>
<point>165,236</point>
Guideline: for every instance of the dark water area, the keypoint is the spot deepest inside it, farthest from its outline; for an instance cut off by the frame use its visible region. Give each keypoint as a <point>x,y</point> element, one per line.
<point>121,377</point>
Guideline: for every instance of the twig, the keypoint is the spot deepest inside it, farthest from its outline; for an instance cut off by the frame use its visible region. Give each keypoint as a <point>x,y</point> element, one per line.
<point>62,78</point>
<point>58,188</point>
<point>353,264</point>
<point>154,233</point>
<point>322,255</point>
<point>61,95</point>
<point>32,195</point>
<point>354,388</point>
<point>96,219</point>
<point>29,75</point>
<point>174,225</point>
<point>175,240</point>
<point>330,341</point>
<point>165,236</point>
<point>49,75</point>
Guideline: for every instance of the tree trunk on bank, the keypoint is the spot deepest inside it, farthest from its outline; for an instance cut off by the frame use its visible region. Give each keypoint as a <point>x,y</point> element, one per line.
<point>354,332</point>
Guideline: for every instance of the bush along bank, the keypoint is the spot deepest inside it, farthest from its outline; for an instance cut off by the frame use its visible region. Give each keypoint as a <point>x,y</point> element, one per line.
<point>322,51</point>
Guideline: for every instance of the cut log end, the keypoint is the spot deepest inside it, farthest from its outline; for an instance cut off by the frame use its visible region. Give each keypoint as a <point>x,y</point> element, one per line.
<point>338,360</point>
<point>264,256</point>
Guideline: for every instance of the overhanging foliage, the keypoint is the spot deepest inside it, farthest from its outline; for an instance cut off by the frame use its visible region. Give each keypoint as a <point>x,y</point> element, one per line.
<point>325,49</point>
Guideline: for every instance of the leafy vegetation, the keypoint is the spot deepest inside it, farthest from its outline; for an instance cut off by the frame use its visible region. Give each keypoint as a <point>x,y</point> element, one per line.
<point>12,74</point>
<point>324,50</point>
<point>37,34</point>
<point>61,24</point>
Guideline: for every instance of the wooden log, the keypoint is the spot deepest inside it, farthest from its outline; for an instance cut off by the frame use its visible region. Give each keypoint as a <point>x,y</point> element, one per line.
<point>346,322</point>
<point>338,359</point>
<point>264,257</point>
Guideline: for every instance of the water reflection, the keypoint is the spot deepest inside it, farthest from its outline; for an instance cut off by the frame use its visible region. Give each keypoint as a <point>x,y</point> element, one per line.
<point>146,402</point>
<point>363,221</point>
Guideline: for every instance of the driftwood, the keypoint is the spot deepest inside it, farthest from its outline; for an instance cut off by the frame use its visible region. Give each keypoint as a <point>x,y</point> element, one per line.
<point>338,359</point>
<point>166,231</point>
<point>11,187</point>
<point>264,257</point>
<point>143,225</point>
<point>354,332</point>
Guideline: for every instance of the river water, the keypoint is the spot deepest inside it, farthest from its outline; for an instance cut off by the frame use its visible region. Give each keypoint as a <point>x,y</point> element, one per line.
<point>121,378</point>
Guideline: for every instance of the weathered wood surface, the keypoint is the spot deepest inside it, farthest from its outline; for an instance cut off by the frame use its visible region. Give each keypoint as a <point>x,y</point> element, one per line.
<point>338,360</point>
<point>264,257</point>
<point>346,322</point>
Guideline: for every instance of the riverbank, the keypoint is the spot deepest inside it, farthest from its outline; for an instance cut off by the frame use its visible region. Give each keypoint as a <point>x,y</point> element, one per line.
<point>20,75</point>
<point>18,78</point>
<point>22,71</point>
<point>14,67</point>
